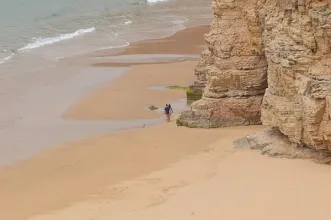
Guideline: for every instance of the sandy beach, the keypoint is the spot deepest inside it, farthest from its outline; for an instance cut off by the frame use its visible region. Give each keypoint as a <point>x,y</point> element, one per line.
<point>164,172</point>
<point>145,84</point>
<point>77,171</point>
<point>31,121</point>
<point>101,108</point>
<point>153,172</point>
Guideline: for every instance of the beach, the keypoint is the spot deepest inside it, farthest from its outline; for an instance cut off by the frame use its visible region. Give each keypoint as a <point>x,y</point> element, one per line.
<point>95,93</point>
<point>172,62</point>
<point>38,122</point>
<point>78,141</point>
<point>113,95</point>
<point>163,172</point>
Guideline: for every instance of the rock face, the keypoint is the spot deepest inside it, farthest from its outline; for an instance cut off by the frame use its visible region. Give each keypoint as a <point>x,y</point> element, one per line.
<point>233,70</point>
<point>296,36</point>
<point>281,45</point>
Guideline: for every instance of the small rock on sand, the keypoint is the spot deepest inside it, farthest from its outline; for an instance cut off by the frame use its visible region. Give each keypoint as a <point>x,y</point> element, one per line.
<point>153,108</point>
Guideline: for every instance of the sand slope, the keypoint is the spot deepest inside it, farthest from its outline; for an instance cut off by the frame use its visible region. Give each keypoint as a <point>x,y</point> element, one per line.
<point>73,172</point>
<point>218,182</point>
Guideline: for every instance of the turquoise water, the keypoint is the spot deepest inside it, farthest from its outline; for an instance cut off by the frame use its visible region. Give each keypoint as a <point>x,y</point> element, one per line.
<point>47,30</point>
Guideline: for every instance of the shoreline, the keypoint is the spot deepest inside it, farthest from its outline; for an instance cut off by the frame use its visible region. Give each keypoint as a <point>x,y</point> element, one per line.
<point>129,96</point>
<point>27,107</point>
<point>45,161</point>
<point>174,44</point>
<point>100,34</point>
<point>119,100</point>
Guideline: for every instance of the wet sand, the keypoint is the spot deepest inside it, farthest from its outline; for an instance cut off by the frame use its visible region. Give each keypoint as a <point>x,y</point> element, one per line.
<point>33,104</point>
<point>129,96</point>
<point>187,41</point>
<point>154,63</point>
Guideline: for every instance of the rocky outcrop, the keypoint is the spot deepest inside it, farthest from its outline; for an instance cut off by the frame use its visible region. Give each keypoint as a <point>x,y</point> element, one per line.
<point>273,143</point>
<point>200,70</point>
<point>232,70</point>
<point>195,91</point>
<point>290,41</point>
<point>296,36</point>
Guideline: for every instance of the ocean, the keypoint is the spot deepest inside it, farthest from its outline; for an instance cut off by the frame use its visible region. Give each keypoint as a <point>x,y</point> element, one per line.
<point>37,33</point>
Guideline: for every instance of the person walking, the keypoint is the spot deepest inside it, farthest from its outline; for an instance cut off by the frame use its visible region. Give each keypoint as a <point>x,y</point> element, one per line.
<point>167,112</point>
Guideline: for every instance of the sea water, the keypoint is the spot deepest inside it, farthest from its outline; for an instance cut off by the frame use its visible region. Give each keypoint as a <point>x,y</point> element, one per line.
<point>35,33</point>
<point>35,88</point>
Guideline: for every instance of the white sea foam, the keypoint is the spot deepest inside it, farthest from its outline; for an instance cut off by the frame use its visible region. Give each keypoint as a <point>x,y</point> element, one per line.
<point>113,47</point>
<point>99,49</point>
<point>155,1</point>
<point>3,60</point>
<point>180,23</point>
<point>40,42</point>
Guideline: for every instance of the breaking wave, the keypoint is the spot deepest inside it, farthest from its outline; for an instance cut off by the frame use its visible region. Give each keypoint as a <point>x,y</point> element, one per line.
<point>3,60</point>
<point>40,42</point>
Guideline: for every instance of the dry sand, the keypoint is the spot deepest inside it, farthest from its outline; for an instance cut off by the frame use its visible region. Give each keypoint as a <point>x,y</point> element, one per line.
<point>75,171</point>
<point>129,175</point>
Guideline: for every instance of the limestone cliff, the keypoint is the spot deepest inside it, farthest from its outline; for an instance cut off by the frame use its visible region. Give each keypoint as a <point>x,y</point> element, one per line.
<point>296,36</point>
<point>281,45</point>
<point>233,69</point>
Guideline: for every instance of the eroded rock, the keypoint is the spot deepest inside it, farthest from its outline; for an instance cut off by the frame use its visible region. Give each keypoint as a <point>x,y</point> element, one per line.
<point>273,143</point>
<point>232,71</point>
<point>281,45</point>
<point>296,37</point>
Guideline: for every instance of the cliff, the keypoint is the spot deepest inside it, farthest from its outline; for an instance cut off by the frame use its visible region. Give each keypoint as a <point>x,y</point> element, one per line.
<point>233,69</point>
<point>268,61</point>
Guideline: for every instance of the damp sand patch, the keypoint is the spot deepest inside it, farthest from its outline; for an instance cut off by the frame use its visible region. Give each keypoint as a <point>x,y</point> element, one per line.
<point>172,87</point>
<point>184,88</point>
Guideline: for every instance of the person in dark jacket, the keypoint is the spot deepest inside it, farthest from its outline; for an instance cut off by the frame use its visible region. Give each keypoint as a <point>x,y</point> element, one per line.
<point>167,112</point>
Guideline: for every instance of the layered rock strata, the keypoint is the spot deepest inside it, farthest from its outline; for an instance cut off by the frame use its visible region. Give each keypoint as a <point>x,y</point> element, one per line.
<point>232,70</point>
<point>296,36</point>
<point>290,40</point>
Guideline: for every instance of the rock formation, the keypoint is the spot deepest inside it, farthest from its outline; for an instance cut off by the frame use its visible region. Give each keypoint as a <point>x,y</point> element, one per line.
<point>296,36</point>
<point>287,43</point>
<point>233,69</point>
